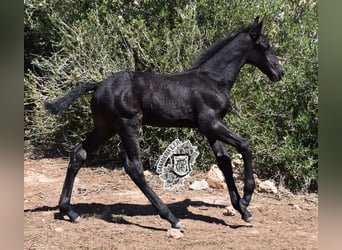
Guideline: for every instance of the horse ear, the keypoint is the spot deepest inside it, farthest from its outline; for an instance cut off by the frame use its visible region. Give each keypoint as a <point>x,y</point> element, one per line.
<point>256,28</point>
<point>256,20</point>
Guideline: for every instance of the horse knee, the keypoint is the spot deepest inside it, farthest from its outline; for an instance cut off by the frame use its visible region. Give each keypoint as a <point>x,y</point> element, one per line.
<point>78,155</point>
<point>244,147</point>
<point>133,168</point>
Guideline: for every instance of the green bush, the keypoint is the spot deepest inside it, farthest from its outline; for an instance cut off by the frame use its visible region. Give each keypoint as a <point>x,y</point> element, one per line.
<point>67,42</point>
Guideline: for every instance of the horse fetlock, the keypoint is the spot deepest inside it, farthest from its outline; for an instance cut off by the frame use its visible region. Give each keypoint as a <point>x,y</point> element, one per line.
<point>179,226</point>
<point>246,215</point>
<point>73,216</point>
<point>65,209</point>
<point>243,204</point>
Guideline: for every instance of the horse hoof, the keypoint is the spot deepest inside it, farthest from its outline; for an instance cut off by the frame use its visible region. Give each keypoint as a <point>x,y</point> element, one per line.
<point>247,217</point>
<point>76,220</point>
<point>179,226</point>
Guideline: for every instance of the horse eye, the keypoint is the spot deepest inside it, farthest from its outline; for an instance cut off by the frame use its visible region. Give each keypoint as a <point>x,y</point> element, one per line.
<point>261,45</point>
<point>264,46</point>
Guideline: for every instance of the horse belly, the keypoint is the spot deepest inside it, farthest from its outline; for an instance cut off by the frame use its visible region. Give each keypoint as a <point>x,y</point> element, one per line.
<point>168,123</point>
<point>168,116</point>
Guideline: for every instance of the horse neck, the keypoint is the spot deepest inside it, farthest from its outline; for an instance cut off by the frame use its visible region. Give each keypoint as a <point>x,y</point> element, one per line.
<point>228,61</point>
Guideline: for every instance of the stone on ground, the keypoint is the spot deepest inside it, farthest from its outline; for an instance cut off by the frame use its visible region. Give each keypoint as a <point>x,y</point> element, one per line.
<point>199,185</point>
<point>267,187</point>
<point>215,178</point>
<point>174,233</point>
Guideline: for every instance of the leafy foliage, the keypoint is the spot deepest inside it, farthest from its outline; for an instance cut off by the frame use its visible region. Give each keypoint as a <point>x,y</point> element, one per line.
<point>67,42</point>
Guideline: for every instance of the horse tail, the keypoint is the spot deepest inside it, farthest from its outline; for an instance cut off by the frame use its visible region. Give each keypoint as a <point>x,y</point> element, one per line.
<point>62,103</point>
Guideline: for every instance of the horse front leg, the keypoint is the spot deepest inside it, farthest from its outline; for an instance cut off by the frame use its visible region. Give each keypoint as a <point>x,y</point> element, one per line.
<point>216,131</point>
<point>224,163</point>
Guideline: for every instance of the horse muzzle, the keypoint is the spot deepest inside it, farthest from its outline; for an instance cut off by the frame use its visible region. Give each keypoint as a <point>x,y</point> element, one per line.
<point>276,74</point>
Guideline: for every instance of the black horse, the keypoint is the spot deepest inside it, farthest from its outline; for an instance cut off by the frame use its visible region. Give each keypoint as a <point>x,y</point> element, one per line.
<point>195,98</point>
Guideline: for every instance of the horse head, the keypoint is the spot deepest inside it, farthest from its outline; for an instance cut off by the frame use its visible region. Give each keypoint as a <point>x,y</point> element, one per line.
<point>261,54</point>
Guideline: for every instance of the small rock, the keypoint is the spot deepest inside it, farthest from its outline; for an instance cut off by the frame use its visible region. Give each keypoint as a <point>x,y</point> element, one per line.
<point>237,163</point>
<point>58,229</point>
<point>174,233</point>
<point>215,178</point>
<point>267,187</point>
<point>230,211</point>
<point>136,3</point>
<point>147,173</point>
<point>44,179</point>
<point>257,180</point>
<point>199,185</point>
<point>295,206</point>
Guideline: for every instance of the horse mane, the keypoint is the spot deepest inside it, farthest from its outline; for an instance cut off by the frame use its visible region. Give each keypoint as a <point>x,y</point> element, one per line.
<point>215,47</point>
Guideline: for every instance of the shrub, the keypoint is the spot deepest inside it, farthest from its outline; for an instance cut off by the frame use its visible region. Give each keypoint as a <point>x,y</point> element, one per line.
<point>67,42</point>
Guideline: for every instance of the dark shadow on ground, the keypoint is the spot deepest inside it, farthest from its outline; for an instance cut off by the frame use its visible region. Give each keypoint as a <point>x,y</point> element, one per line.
<point>114,213</point>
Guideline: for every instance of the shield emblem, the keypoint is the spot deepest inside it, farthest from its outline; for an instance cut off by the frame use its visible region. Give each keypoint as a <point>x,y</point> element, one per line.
<point>181,166</point>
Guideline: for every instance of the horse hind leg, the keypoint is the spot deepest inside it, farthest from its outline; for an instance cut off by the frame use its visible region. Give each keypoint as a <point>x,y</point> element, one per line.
<point>134,169</point>
<point>78,156</point>
<point>77,159</point>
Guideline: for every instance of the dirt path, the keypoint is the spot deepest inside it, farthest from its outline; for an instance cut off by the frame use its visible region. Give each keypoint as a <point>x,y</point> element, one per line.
<point>116,215</point>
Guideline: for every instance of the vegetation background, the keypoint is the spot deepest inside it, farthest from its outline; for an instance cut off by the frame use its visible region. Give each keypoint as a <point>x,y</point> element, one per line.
<point>70,41</point>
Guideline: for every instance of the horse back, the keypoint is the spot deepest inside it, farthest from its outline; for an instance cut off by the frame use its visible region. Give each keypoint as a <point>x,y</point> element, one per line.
<point>160,99</point>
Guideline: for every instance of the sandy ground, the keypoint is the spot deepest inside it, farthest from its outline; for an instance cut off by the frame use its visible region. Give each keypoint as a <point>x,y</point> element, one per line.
<point>116,215</point>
